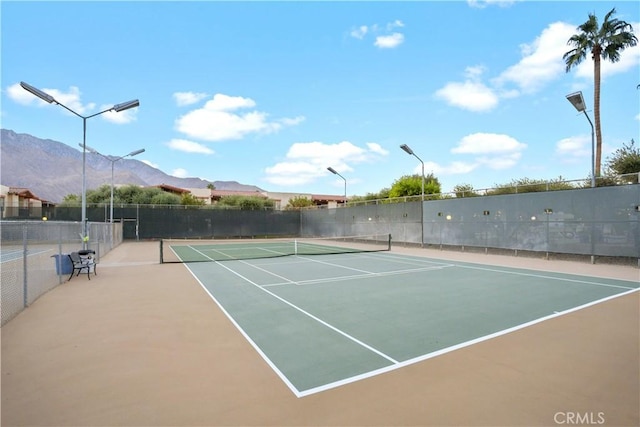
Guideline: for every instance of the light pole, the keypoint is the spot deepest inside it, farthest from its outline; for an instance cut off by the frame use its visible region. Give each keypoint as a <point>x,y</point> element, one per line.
<point>117,108</point>
<point>408,150</point>
<point>333,171</point>
<point>577,101</point>
<point>113,161</point>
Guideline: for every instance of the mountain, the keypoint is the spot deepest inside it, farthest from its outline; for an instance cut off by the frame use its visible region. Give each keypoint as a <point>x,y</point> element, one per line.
<point>51,169</point>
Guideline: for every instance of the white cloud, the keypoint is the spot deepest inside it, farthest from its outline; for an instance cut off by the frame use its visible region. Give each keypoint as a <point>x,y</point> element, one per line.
<point>453,168</point>
<point>541,60</point>
<point>21,96</point>
<point>221,102</point>
<point>469,95</point>
<point>123,117</point>
<point>481,4</point>
<point>189,146</point>
<point>504,161</point>
<point>483,143</point>
<point>188,98</point>
<point>217,121</point>
<point>390,41</point>
<point>376,148</point>
<point>395,24</point>
<point>308,161</point>
<point>493,151</point>
<point>359,32</point>
<point>573,149</point>
<point>71,99</point>
<point>153,165</point>
<point>179,173</point>
<point>292,122</point>
<point>385,38</point>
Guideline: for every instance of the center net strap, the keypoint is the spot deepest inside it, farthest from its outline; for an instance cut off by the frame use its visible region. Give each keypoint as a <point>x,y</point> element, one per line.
<point>172,251</point>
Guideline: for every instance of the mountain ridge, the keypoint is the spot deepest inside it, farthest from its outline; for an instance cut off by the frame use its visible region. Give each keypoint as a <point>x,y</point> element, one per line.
<point>36,164</point>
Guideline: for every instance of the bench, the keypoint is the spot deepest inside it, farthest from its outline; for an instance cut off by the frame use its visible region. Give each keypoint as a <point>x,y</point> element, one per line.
<point>82,262</point>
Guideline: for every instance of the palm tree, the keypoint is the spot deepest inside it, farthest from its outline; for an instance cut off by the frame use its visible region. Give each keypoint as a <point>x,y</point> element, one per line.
<point>606,41</point>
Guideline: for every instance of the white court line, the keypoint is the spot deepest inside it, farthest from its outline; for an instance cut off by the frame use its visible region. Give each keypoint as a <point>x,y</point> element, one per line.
<point>524,274</point>
<point>405,260</point>
<point>286,281</point>
<point>306,313</point>
<point>17,254</point>
<point>355,276</point>
<point>336,265</point>
<point>396,364</point>
<point>365,274</point>
<point>433,354</point>
<point>278,372</point>
<point>228,256</point>
<point>541,276</point>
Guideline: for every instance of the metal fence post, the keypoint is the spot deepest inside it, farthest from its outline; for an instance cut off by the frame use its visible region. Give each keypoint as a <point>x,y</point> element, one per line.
<point>25,300</point>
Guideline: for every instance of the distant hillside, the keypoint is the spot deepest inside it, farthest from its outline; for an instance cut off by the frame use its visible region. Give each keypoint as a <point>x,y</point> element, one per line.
<point>51,169</point>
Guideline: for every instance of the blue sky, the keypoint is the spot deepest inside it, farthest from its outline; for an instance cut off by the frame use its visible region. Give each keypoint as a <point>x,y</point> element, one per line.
<point>273,93</point>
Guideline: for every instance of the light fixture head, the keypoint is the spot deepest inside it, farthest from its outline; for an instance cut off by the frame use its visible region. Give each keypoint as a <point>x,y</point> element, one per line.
<point>332,170</point>
<point>406,148</point>
<point>89,149</point>
<point>37,92</point>
<point>135,153</point>
<point>577,101</point>
<point>126,105</point>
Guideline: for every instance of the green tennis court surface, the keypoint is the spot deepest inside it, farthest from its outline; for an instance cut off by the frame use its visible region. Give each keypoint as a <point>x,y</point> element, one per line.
<point>324,321</point>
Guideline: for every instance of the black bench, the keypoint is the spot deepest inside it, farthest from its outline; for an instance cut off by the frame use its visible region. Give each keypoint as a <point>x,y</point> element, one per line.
<point>83,261</point>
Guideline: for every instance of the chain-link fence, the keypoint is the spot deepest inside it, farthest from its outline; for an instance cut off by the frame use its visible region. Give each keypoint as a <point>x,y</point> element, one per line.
<point>600,222</point>
<point>603,221</point>
<point>33,257</point>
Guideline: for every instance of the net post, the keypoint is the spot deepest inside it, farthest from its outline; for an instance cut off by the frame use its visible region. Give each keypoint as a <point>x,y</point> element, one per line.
<point>389,242</point>
<point>161,257</point>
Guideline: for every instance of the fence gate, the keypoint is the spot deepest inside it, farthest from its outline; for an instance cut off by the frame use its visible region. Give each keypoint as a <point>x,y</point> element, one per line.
<point>130,228</point>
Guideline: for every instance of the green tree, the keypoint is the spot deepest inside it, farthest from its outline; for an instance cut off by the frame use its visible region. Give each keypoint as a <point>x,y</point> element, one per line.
<point>299,202</point>
<point>71,200</point>
<point>159,197</point>
<point>190,200</point>
<point>625,160</point>
<point>606,41</point>
<point>411,185</point>
<point>100,195</point>
<point>464,190</point>
<point>210,186</point>
<point>247,202</point>
<point>528,185</point>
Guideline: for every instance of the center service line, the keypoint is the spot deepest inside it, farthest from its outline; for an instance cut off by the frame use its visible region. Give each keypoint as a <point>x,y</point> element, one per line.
<point>306,313</point>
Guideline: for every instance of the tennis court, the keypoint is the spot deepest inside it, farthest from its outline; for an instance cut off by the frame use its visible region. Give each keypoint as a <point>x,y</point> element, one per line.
<point>12,254</point>
<point>335,313</point>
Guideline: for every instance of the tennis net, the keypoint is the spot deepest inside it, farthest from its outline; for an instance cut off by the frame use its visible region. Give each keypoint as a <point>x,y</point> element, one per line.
<point>179,251</point>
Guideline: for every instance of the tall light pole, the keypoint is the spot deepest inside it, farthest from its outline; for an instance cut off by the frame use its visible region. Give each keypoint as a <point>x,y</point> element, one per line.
<point>333,171</point>
<point>408,150</point>
<point>577,101</point>
<point>117,108</point>
<point>113,161</point>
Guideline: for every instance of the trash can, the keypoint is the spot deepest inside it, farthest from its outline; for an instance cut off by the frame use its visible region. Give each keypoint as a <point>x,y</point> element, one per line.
<point>63,264</point>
